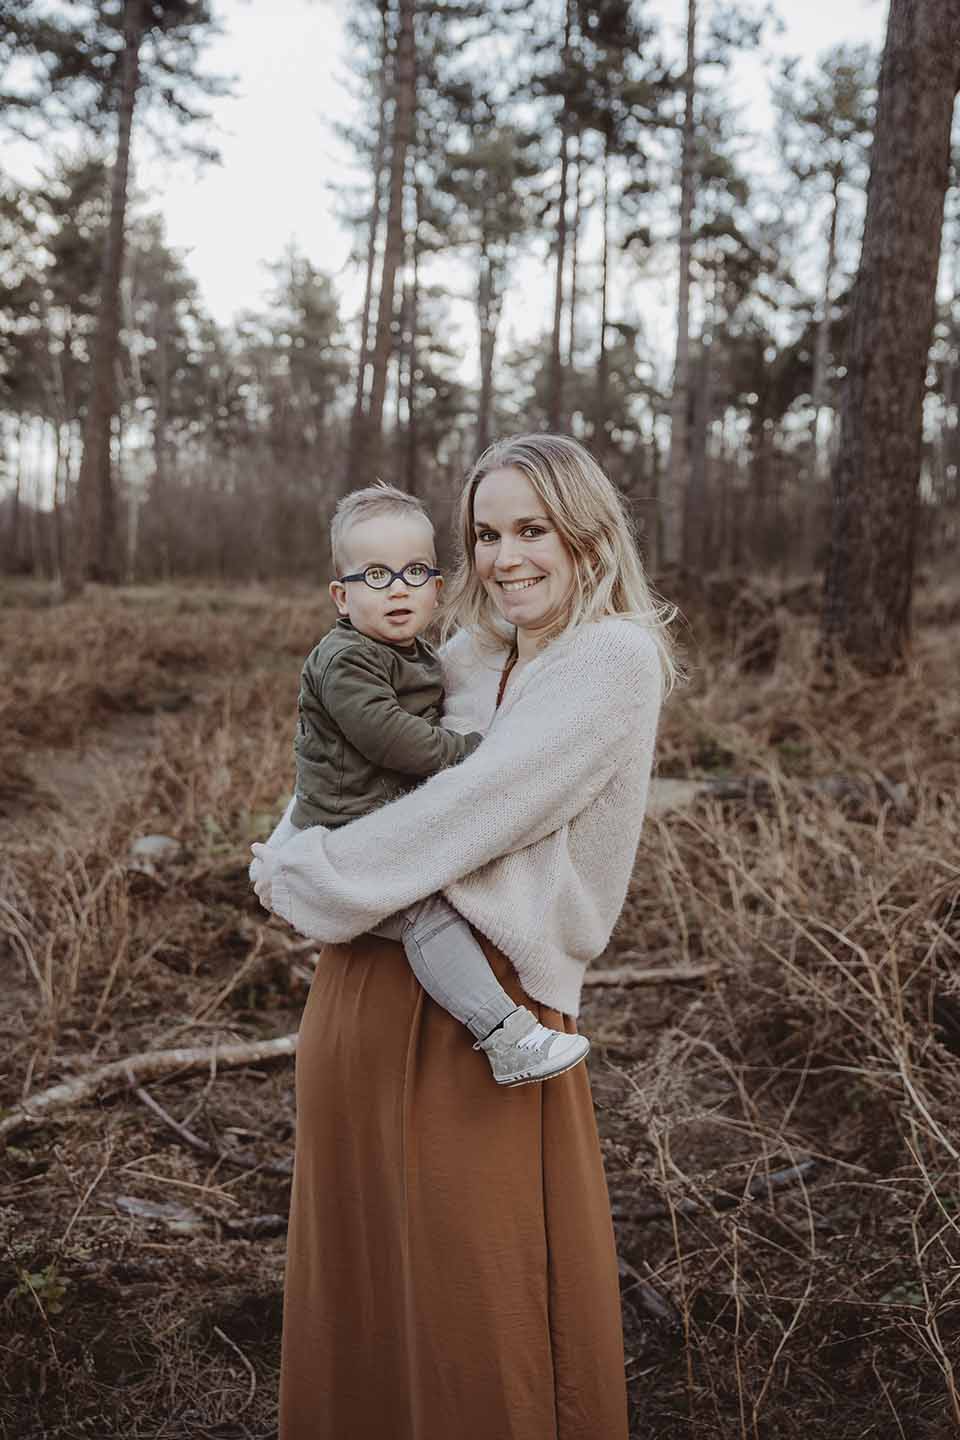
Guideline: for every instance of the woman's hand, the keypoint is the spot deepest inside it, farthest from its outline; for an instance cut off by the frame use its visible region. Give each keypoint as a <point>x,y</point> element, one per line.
<point>262,869</point>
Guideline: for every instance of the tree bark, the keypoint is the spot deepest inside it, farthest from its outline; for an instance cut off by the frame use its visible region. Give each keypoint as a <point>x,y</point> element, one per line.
<point>555,416</point>
<point>575,257</point>
<point>13,541</point>
<point>403,120</point>
<point>876,477</point>
<point>695,497</point>
<point>354,456</point>
<point>161,423</point>
<point>93,551</point>
<point>488,311</point>
<point>676,477</point>
<point>821,354</point>
<point>412,440</point>
<point>600,436</point>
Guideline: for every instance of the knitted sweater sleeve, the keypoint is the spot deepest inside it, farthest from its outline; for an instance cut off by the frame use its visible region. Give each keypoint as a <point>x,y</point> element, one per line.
<point>585,707</point>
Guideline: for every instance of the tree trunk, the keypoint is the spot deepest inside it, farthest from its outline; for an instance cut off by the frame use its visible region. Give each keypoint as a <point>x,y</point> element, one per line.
<point>14,535</point>
<point>161,431</point>
<point>600,402</point>
<point>695,499</point>
<point>821,353</point>
<point>94,548</point>
<point>403,120</point>
<point>354,455</point>
<point>676,478</point>
<point>56,516</point>
<point>574,258</point>
<point>487,314</point>
<point>760,490</point>
<point>412,439</point>
<point>877,472</point>
<point>555,389</point>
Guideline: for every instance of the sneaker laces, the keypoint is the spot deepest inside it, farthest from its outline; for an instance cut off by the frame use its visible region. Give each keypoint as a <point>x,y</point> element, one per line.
<point>538,1036</point>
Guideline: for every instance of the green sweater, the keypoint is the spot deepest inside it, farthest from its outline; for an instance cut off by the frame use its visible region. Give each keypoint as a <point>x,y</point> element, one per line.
<point>368,726</point>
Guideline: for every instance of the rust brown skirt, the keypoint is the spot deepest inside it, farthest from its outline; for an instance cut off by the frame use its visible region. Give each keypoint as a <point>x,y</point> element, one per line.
<point>451,1272</point>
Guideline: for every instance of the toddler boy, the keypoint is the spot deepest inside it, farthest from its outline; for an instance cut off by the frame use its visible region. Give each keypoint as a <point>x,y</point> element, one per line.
<point>369,728</point>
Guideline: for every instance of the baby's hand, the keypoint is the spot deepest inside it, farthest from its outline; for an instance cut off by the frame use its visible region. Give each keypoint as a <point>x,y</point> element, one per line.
<point>261,873</point>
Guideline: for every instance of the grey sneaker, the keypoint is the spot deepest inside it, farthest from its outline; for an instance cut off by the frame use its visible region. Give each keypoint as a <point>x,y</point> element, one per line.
<point>523,1051</point>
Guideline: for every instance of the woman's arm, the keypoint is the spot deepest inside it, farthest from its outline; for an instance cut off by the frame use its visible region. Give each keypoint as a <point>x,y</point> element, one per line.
<point>576,714</point>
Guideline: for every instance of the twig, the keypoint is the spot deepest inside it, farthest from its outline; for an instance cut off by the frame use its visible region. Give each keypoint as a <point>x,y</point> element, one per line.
<point>657,1306</point>
<point>243,1159</point>
<point>151,1065</point>
<point>289,951</point>
<point>656,975</point>
<point>246,1364</point>
<point>180,1184</point>
<point>227,989</point>
<point>85,1197</point>
<point>147,1099</point>
<point>723,1199</point>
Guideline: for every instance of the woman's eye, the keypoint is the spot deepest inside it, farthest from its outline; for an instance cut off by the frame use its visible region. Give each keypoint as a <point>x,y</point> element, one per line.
<point>486,535</point>
<point>535,531</point>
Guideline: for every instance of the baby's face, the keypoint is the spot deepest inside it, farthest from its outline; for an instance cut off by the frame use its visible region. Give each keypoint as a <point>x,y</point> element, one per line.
<point>400,612</point>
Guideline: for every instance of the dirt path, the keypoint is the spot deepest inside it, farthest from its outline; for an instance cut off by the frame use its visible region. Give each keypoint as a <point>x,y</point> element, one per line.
<point>80,784</point>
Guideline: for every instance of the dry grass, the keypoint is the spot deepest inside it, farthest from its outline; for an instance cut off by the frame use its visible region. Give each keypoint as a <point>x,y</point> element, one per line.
<point>828,894</point>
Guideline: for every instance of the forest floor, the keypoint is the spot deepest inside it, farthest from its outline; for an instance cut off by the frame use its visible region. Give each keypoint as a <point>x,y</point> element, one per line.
<point>779,1113</point>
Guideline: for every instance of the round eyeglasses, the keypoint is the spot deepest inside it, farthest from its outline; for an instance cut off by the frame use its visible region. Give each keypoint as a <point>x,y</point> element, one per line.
<point>381,577</point>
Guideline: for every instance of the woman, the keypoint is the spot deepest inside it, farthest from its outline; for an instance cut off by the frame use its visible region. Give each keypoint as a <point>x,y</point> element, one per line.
<point>451,1265</point>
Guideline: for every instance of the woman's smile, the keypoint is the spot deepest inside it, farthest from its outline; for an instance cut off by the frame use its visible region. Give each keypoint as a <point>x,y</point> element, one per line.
<point>511,585</point>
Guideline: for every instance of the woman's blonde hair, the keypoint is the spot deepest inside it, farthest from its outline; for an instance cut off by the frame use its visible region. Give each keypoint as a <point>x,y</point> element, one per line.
<point>590,517</point>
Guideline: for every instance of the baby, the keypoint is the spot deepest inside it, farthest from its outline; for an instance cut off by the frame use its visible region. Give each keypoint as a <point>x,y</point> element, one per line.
<point>369,727</point>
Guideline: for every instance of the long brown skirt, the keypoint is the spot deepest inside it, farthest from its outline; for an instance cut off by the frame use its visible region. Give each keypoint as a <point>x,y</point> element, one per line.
<point>451,1272</point>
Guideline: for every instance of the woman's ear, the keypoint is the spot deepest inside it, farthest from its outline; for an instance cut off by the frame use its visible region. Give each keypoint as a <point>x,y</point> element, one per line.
<point>338,594</point>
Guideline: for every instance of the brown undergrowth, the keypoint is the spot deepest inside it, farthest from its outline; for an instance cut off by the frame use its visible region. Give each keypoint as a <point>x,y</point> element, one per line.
<point>140,1275</point>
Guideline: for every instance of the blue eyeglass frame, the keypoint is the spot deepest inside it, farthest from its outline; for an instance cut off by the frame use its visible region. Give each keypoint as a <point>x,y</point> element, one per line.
<point>394,575</point>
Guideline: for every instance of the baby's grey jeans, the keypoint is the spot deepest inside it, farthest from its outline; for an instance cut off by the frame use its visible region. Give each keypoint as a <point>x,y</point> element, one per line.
<point>449,964</point>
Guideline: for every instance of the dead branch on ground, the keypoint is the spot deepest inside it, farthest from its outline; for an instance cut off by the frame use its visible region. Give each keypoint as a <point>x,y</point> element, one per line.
<point>655,975</point>
<point>757,1188</point>
<point>243,1159</point>
<point>151,1065</point>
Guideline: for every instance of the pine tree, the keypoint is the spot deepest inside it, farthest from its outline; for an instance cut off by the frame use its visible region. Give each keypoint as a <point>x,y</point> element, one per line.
<point>877,472</point>
<point>401,136</point>
<point>825,121</point>
<point>148,48</point>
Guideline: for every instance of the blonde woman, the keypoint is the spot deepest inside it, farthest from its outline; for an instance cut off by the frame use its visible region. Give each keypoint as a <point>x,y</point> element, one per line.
<point>451,1265</point>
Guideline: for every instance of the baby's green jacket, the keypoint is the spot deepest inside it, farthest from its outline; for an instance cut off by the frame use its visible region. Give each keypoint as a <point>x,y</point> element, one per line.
<point>368,726</point>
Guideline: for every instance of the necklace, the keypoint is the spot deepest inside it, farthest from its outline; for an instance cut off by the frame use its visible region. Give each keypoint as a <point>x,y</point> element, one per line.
<point>505,676</point>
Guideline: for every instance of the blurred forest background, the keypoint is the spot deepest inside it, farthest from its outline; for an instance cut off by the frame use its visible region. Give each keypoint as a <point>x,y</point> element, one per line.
<point>140,439</point>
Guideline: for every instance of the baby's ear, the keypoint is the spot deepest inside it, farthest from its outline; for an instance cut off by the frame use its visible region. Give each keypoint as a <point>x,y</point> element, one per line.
<point>338,594</point>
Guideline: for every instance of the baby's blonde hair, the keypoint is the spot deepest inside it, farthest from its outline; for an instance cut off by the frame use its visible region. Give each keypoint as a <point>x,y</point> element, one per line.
<point>590,516</point>
<point>366,504</point>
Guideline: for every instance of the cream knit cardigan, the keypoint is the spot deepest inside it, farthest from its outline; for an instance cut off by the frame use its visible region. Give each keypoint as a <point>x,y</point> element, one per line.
<point>532,838</point>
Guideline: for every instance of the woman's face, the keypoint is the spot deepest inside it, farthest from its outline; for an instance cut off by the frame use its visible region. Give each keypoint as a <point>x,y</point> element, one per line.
<point>524,564</point>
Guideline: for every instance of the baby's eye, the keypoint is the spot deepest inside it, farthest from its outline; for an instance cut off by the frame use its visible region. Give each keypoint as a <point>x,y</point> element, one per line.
<point>416,571</point>
<point>376,573</point>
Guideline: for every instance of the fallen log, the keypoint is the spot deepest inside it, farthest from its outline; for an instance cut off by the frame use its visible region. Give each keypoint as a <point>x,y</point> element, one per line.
<point>138,1069</point>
